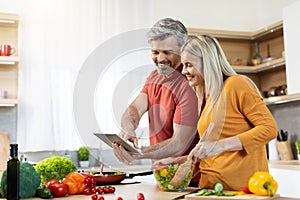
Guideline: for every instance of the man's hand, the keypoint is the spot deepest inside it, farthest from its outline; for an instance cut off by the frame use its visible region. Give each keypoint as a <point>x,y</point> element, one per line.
<point>123,155</point>
<point>131,137</point>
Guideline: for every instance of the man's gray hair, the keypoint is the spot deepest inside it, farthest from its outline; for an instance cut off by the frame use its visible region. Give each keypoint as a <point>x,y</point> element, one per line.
<point>168,27</point>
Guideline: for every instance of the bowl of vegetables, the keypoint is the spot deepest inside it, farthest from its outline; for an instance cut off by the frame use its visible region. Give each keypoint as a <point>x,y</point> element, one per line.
<point>164,174</point>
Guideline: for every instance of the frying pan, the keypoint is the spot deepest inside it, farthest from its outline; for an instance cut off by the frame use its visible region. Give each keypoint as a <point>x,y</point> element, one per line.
<point>109,178</point>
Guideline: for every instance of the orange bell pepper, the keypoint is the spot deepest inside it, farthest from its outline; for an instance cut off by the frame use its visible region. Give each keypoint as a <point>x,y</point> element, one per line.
<point>76,183</point>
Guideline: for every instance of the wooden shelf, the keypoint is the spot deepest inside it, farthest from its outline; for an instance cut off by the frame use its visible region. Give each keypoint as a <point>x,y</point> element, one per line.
<point>7,19</point>
<point>8,60</point>
<point>282,99</point>
<point>8,102</point>
<point>261,67</point>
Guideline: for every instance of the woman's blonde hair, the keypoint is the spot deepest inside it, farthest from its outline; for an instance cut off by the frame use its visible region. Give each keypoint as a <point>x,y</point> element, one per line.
<point>215,67</point>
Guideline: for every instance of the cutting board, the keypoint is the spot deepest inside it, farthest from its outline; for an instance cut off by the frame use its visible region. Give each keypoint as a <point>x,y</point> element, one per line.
<point>237,197</point>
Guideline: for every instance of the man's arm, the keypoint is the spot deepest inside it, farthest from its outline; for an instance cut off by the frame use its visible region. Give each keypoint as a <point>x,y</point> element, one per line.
<point>182,138</point>
<point>131,118</point>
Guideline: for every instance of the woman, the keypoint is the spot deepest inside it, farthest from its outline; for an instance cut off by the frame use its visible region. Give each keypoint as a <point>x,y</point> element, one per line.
<point>241,123</point>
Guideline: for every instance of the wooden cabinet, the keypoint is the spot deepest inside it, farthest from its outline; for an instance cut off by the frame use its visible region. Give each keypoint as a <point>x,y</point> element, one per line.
<point>9,24</point>
<point>239,48</point>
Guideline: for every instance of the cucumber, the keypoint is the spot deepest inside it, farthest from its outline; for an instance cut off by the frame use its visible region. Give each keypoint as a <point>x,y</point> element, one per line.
<point>218,187</point>
<point>44,193</point>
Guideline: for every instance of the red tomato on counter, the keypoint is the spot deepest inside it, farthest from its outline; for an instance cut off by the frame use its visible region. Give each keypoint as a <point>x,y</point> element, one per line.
<point>59,189</point>
<point>140,196</point>
<point>52,181</point>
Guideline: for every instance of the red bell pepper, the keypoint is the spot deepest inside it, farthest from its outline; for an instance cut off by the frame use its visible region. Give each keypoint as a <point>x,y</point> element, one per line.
<point>89,180</point>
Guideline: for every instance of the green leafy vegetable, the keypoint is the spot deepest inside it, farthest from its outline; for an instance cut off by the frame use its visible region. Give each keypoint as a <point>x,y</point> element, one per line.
<point>55,167</point>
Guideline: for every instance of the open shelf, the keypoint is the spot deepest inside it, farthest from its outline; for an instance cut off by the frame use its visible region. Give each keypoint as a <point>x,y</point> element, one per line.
<point>8,60</point>
<point>261,67</point>
<point>8,102</point>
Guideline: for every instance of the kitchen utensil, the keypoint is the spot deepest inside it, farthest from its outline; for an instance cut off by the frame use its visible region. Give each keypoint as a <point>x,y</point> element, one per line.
<point>269,58</point>
<point>186,167</point>
<point>109,178</point>
<point>101,169</point>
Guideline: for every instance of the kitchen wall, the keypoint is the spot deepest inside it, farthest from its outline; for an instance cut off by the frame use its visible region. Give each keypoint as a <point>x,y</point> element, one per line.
<point>228,15</point>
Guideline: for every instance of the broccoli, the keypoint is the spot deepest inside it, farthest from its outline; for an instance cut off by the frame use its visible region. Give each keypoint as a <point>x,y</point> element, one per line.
<point>30,180</point>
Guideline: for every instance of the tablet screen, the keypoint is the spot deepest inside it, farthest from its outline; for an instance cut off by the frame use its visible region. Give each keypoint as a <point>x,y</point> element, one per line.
<point>111,138</point>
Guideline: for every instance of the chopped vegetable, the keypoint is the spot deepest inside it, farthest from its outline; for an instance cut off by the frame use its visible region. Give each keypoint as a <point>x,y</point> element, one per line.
<point>263,183</point>
<point>54,167</point>
<point>218,187</point>
<point>218,190</point>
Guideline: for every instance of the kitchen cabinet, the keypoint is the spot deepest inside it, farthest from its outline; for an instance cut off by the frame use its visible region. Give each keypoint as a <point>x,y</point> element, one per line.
<point>239,48</point>
<point>9,27</point>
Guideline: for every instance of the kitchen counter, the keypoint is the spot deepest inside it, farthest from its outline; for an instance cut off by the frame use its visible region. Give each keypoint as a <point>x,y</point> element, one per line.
<point>129,192</point>
<point>285,164</point>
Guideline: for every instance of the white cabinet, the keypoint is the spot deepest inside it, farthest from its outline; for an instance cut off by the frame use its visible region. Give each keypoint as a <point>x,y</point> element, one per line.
<point>291,16</point>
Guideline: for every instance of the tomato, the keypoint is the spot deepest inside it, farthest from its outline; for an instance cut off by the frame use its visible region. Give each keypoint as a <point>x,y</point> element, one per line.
<point>245,189</point>
<point>94,197</point>
<point>59,189</point>
<point>111,189</point>
<point>99,190</point>
<point>52,181</point>
<point>171,174</point>
<point>106,190</point>
<point>93,191</point>
<point>119,198</point>
<point>87,191</point>
<point>101,198</point>
<point>140,196</point>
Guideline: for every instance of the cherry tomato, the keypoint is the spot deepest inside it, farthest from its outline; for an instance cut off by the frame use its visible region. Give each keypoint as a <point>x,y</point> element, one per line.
<point>93,191</point>
<point>119,198</point>
<point>171,174</point>
<point>106,190</point>
<point>101,198</point>
<point>94,197</point>
<point>87,191</point>
<point>245,189</point>
<point>140,196</point>
<point>111,189</point>
<point>52,181</point>
<point>99,190</point>
<point>59,189</point>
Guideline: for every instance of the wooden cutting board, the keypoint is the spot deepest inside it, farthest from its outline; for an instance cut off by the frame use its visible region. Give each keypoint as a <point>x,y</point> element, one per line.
<point>237,197</point>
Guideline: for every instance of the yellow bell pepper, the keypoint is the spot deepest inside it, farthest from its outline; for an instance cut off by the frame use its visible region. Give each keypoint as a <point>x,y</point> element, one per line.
<point>263,183</point>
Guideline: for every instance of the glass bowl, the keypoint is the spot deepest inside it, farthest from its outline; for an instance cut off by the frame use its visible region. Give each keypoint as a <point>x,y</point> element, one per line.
<point>164,174</point>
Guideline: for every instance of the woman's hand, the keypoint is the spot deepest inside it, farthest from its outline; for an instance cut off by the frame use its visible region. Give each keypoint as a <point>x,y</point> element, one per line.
<point>208,149</point>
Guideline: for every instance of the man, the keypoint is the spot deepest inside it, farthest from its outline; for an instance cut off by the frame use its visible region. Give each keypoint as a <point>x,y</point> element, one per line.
<point>171,103</point>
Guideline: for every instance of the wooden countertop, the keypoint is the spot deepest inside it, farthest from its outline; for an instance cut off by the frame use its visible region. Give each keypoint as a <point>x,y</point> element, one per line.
<point>129,192</point>
<point>285,164</point>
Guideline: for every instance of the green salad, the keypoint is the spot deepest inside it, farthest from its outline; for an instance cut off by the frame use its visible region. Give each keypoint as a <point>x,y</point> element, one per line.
<point>164,175</point>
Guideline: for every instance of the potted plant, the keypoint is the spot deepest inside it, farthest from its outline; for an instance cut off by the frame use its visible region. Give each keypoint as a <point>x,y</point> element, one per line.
<point>83,156</point>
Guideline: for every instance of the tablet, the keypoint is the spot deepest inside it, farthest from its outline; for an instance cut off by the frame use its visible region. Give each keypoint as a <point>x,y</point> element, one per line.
<point>111,138</point>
